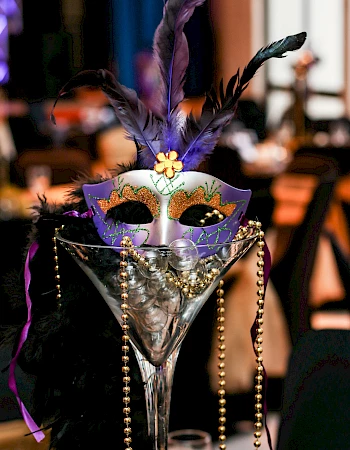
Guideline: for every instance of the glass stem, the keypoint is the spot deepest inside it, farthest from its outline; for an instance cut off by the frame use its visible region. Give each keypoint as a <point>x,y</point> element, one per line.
<point>158,386</point>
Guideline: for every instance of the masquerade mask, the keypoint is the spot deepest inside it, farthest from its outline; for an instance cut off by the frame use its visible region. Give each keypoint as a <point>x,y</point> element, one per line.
<point>163,208</point>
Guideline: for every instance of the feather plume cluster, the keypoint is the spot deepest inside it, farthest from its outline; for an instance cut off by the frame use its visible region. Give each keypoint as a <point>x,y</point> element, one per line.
<point>193,140</point>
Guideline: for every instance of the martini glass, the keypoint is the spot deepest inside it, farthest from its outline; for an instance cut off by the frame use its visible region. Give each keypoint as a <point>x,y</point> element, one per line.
<point>166,289</point>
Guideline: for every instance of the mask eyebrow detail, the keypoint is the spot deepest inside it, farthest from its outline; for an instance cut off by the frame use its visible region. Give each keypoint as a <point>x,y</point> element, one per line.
<point>182,200</point>
<point>130,193</point>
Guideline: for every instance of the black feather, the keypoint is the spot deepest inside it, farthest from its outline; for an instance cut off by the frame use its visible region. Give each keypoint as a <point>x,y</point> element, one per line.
<point>216,114</point>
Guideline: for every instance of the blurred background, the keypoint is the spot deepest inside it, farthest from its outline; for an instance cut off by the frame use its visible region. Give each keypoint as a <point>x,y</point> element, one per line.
<point>302,100</point>
<point>290,144</point>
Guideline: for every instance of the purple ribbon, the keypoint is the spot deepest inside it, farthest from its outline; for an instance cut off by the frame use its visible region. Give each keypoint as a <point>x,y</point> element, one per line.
<point>33,427</point>
<point>86,215</point>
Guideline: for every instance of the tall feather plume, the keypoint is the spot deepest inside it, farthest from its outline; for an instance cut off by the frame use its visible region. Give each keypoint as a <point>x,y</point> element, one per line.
<point>201,137</point>
<point>139,122</point>
<point>171,53</point>
<point>201,143</point>
<point>274,50</point>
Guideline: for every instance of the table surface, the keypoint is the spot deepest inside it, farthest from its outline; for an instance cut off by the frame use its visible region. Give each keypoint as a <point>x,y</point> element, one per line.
<point>12,435</point>
<point>244,441</point>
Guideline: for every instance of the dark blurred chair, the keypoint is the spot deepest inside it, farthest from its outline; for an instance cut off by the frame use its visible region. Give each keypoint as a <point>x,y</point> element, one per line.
<point>291,273</point>
<point>315,413</point>
<point>316,394</point>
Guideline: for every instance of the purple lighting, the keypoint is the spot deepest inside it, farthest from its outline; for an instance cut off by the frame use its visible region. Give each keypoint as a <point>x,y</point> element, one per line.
<point>10,23</point>
<point>4,72</point>
<point>3,38</point>
<point>13,11</point>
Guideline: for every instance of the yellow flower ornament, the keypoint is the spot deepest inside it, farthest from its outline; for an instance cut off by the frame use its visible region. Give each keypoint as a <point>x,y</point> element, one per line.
<point>168,164</point>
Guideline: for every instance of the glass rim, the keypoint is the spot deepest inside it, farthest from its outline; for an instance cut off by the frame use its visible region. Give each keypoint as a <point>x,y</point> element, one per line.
<point>201,436</point>
<point>155,247</point>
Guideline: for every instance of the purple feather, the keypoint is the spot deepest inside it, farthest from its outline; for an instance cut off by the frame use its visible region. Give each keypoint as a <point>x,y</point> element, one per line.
<point>201,137</point>
<point>139,123</point>
<point>171,52</point>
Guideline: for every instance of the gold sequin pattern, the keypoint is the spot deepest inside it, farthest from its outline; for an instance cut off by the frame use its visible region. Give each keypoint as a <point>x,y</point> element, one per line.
<point>181,200</point>
<point>129,193</point>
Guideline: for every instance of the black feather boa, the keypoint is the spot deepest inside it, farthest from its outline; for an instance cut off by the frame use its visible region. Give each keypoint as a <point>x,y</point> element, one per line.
<point>74,351</point>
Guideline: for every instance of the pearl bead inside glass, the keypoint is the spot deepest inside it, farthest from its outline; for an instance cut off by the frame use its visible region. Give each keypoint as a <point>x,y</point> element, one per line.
<point>141,298</point>
<point>184,254</point>
<point>155,262</point>
<point>153,318</point>
<point>194,276</point>
<point>135,278</point>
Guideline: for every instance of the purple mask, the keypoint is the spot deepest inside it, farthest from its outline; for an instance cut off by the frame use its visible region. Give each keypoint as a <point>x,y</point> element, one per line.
<point>167,199</point>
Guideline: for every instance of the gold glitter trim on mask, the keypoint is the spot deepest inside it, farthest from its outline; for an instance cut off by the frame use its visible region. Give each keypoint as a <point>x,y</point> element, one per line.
<point>168,164</point>
<point>128,193</point>
<point>182,200</point>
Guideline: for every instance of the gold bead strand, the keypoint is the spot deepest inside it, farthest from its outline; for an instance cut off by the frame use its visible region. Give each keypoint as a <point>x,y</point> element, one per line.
<point>125,338</point>
<point>221,365</point>
<point>57,268</point>
<point>209,215</point>
<point>258,425</point>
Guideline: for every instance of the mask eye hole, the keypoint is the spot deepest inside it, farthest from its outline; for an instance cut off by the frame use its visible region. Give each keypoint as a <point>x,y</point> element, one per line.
<point>193,216</point>
<point>131,212</point>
